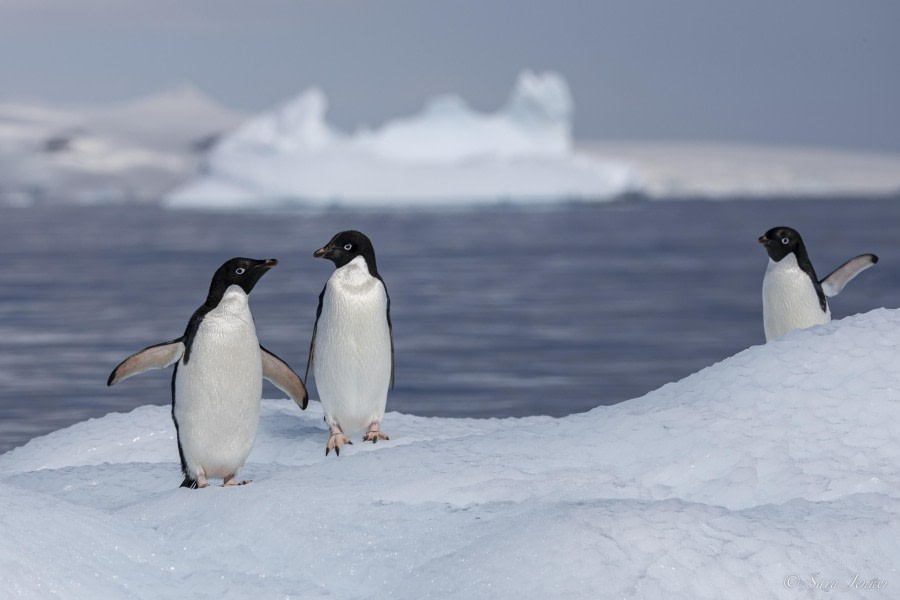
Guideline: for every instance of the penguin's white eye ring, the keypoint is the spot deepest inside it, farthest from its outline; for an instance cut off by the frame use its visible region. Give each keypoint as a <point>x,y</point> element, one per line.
<point>240,270</point>
<point>348,247</point>
<point>785,241</point>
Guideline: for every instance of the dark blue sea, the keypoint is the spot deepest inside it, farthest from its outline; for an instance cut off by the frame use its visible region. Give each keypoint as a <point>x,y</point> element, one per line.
<point>500,311</point>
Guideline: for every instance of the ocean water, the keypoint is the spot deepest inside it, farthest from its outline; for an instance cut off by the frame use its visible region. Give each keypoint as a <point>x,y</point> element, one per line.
<point>500,311</point>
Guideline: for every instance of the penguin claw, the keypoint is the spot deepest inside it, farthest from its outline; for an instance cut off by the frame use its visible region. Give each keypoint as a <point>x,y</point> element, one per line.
<point>336,441</point>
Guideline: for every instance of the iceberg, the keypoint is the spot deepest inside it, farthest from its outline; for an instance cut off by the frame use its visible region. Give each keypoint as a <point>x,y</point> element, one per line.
<point>768,475</point>
<point>446,154</point>
<point>127,152</point>
<point>182,148</point>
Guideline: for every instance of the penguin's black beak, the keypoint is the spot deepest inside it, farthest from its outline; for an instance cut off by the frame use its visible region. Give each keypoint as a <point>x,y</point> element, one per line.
<point>763,240</point>
<point>322,252</point>
<point>267,264</point>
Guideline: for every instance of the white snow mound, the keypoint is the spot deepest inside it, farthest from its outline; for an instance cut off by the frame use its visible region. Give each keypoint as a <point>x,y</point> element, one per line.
<point>762,476</point>
<point>448,153</point>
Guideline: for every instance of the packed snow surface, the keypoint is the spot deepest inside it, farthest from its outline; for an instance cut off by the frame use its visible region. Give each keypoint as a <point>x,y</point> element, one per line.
<point>448,153</point>
<point>763,476</point>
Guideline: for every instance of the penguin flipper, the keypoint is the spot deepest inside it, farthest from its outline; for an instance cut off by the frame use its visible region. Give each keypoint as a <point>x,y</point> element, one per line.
<point>158,356</point>
<point>837,279</point>
<point>312,342</point>
<point>279,373</point>
<point>390,328</point>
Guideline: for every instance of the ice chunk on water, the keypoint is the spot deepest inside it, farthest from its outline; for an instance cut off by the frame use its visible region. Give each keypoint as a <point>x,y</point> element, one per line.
<point>446,153</point>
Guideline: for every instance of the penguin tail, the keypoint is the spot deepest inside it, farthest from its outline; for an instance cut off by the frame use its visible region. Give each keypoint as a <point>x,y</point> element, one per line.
<point>189,483</point>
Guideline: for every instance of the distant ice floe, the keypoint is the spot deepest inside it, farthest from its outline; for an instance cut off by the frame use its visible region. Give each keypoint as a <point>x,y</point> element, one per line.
<point>754,478</point>
<point>728,171</point>
<point>182,148</point>
<point>447,153</point>
<point>128,152</point>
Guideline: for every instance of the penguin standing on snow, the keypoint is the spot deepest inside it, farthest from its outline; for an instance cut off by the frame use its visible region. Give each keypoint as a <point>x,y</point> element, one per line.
<point>352,348</point>
<point>793,297</point>
<point>217,383</point>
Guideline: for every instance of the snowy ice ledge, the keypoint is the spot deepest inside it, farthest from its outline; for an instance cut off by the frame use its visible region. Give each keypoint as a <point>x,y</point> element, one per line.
<point>772,467</point>
<point>448,153</point>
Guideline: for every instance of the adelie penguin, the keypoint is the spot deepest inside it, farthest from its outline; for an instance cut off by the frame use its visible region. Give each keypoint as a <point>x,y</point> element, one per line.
<point>793,296</point>
<point>352,348</point>
<point>217,382</point>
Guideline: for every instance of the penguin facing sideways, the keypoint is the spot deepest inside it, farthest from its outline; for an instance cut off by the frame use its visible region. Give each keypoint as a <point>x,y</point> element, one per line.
<point>793,297</point>
<point>217,381</point>
<point>352,347</point>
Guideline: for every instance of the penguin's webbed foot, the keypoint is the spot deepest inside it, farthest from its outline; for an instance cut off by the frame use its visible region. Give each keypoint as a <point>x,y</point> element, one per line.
<point>336,441</point>
<point>374,434</point>
<point>232,482</point>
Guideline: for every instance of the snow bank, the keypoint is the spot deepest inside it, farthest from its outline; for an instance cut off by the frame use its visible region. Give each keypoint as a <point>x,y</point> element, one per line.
<point>760,477</point>
<point>448,153</point>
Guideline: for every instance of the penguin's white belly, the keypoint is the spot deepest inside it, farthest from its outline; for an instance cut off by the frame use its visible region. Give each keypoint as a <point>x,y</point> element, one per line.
<point>353,353</point>
<point>218,392</point>
<point>790,300</point>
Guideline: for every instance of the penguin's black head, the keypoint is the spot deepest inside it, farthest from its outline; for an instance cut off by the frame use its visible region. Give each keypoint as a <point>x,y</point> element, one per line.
<point>346,246</point>
<point>781,241</point>
<point>242,272</point>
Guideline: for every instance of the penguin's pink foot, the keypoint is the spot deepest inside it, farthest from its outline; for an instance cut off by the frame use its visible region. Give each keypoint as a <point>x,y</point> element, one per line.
<point>229,481</point>
<point>374,434</point>
<point>201,481</point>
<point>336,441</point>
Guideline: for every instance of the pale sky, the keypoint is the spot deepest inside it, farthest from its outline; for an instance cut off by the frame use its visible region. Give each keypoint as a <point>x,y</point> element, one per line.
<point>811,72</point>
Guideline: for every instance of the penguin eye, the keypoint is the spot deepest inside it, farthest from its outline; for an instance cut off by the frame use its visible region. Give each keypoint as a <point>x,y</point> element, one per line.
<point>240,270</point>
<point>785,241</point>
<point>348,247</point>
